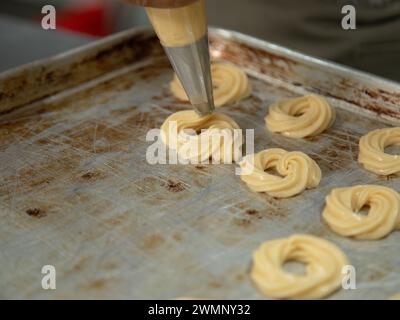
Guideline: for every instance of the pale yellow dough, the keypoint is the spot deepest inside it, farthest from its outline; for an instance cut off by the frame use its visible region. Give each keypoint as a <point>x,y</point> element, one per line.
<point>300,117</point>
<point>217,141</point>
<point>179,26</point>
<point>372,151</point>
<point>395,297</point>
<point>298,172</point>
<point>324,262</point>
<point>342,205</point>
<point>230,84</point>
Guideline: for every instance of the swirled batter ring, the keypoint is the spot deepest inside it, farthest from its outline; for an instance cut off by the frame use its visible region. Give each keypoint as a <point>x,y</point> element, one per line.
<point>324,262</point>
<point>298,172</point>
<point>300,117</point>
<point>230,84</point>
<point>372,151</point>
<point>342,205</point>
<point>211,136</point>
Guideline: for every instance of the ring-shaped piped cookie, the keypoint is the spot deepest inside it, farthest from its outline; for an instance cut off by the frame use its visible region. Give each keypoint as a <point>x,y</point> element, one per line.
<point>297,172</point>
<point>300,117</point>
<point>343,204</point>
<point>372,151</point>
<point>230,84</point>
<point>197,139</point>
<point>323,267</point>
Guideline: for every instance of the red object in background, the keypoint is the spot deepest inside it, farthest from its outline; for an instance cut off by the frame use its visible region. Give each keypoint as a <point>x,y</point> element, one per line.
<point>91,19</point>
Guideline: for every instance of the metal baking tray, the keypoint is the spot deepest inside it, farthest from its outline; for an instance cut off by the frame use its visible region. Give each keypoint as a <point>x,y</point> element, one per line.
<point>77,193</point>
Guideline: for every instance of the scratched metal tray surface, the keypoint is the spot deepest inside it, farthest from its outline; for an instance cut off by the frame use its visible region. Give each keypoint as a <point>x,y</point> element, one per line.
<point>77,193</point>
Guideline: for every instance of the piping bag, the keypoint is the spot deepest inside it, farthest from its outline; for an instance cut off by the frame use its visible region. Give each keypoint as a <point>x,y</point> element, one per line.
<point>181,26</point>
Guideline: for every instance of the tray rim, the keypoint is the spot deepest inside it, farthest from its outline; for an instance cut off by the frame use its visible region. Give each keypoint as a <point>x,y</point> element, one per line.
<point>76,51</point>
<point>213,31</point>
<point>300,56</point>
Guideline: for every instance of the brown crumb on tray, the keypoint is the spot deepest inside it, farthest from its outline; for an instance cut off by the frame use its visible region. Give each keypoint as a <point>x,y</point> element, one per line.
<point>36,213</point>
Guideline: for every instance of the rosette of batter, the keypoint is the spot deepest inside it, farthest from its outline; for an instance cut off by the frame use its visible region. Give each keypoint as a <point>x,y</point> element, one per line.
<point>300,117</point>
<point>198,139</point>
<point>323,267</point>
<point>230,84</point>
<point>297,172</point>
<point>372,151</point>
<point>343,205</point>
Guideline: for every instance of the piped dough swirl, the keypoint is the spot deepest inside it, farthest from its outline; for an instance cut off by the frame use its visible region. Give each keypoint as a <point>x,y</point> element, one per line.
<point>323,273</point>
<point>230,84</point>
<point>342,205</point>
<point>300,117</point>
<point>298,172</point>
<point>211,136</point>
<point>372,151</point>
